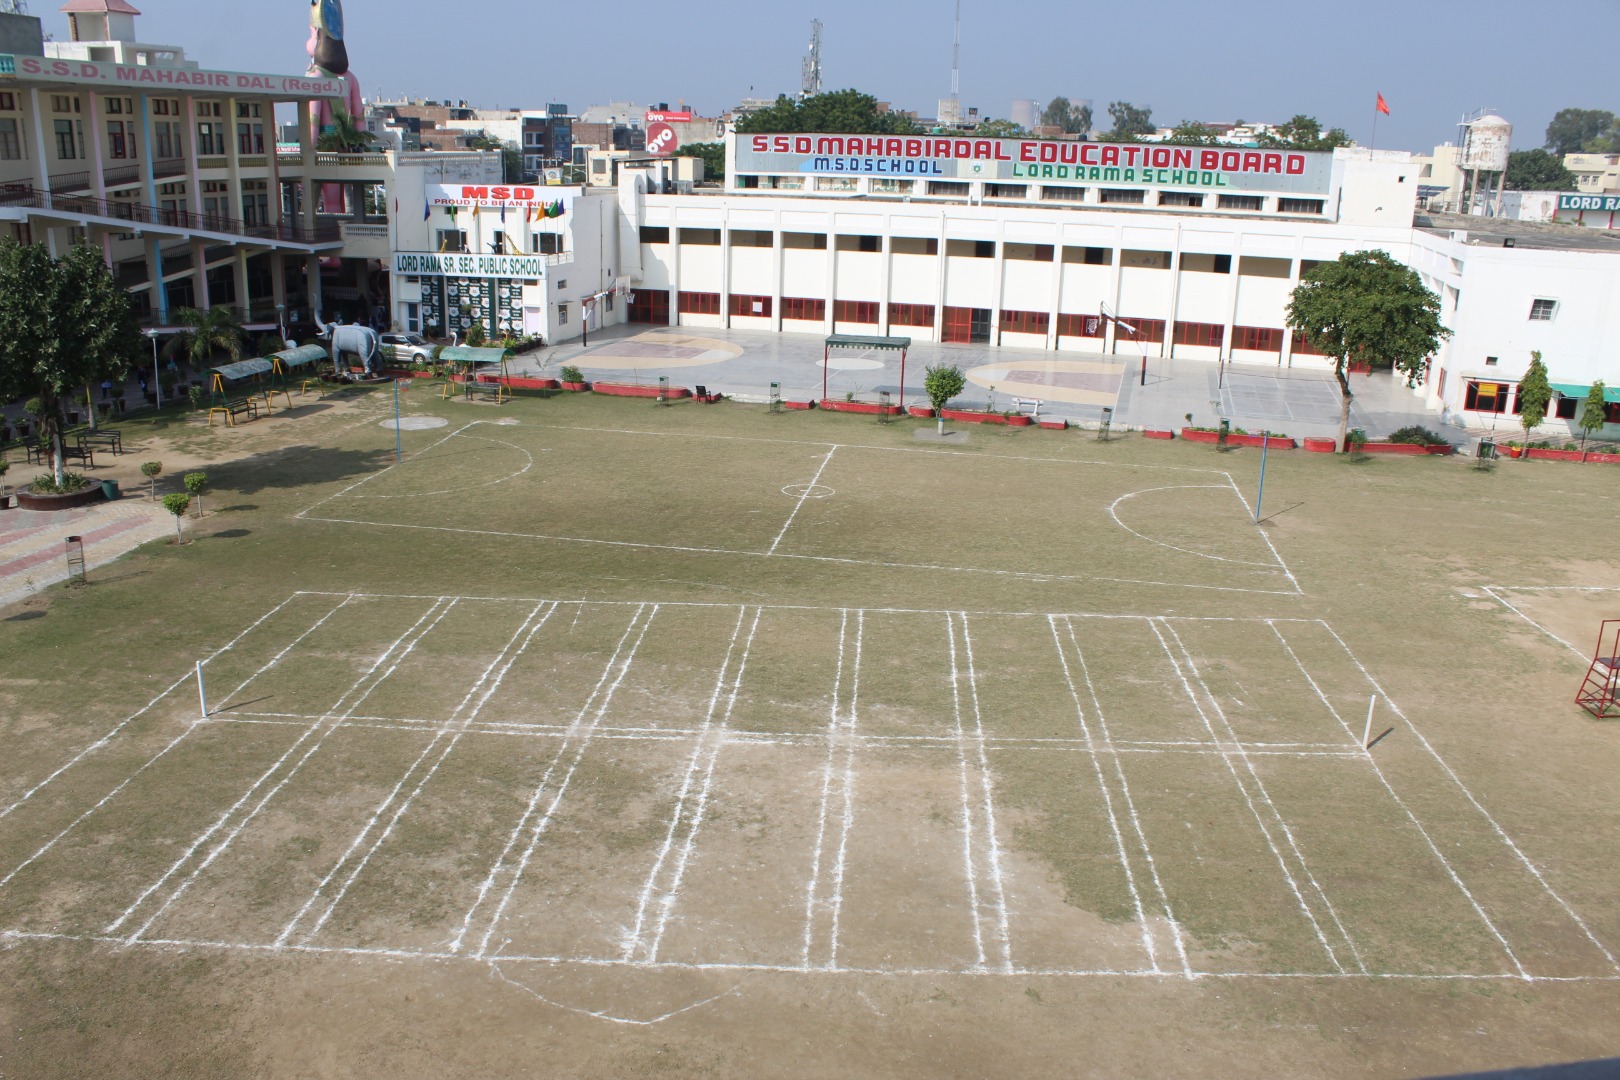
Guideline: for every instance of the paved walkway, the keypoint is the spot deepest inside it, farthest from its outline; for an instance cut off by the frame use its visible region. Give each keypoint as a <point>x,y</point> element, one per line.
<point>1078,386</point>
<point>32,549</point>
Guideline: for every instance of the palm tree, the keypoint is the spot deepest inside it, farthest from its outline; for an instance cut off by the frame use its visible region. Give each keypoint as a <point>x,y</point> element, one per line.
<point>343,136</point>
<point>205,333</point>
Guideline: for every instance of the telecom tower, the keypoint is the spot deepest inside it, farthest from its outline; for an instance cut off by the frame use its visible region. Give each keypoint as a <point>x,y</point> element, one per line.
<point>950,109</point>
<point>811,80</point>
<point>13,7</point>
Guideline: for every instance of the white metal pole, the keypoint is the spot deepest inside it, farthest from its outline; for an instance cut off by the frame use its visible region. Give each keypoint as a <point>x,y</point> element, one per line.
<point>202,698</point>
<point>1366,733</point>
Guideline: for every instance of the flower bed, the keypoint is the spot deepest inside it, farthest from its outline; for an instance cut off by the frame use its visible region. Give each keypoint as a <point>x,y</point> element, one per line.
<point>867,407</point>
<point>1151,433</point>
<point>922,412</point>
<point>798,404</point>
<point>1320,446</point>
<point>575,386</point>
<point>638,390</point>
<point>403,373</point>
<point>1409,449</point>
<point>28,500</point>
<point>1543,453</point>
<point>967,417</point>
<point>1275,442</point>
<point>1054,425</point>
<point>512,382</point>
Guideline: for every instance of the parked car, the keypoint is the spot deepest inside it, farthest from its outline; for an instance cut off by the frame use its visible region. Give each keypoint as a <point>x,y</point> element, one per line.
<point>407,348</point>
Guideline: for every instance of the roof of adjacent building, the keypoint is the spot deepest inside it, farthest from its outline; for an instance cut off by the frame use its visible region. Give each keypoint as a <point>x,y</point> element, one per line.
<point>97,7</point>
<point>1492,231</point>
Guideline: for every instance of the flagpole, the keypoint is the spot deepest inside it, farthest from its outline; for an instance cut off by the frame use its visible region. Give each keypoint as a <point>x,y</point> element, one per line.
<point>1374,144</point>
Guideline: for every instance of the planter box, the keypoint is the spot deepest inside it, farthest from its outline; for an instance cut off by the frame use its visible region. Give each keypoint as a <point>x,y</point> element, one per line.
<point>27,500</point>
<point>638,390</point>
<point>1055,425</point>
<point>798,404</point>
<point>511,382</point>
<point>922,412</point>
<point>1275,442</point>
<point>1439,449</point>
<point>575,386</point>
<point>1319,446</point>
<point>867,407</point>
<point>966,417</point>
<point>1151,433</point>
<point>1408,449</point>
<point>1200,436</point>
<point>1548,454</point>
<point>395,373</point>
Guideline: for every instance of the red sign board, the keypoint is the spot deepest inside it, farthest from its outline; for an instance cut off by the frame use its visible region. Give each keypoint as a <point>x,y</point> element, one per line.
<point>667,117</point>
<point>661,139</point>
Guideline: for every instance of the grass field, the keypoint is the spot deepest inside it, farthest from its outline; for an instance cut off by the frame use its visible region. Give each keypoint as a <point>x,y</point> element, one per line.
<point>661,739</point>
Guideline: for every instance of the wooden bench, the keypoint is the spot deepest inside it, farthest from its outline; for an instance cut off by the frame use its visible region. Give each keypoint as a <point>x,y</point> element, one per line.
<point>494,391</point>
<point>233,409</point>
<point>111,438</point>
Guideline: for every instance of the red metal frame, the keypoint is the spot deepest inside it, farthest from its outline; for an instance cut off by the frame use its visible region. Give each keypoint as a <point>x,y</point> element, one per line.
<point>1600,690</point>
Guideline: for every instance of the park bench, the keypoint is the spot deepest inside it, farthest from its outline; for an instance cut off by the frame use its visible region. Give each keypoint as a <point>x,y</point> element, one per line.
<point>110,438</point>
<point>233,409</point>
<point>1028,407</point>
<point>494,391</point>
<point>78,452</point>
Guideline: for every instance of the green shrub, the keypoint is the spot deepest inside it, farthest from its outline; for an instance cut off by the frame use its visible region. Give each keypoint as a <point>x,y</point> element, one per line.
<point>1416,436</point>
<point>570,373</point>
<point>1356,438</point>
<point>47,485</point>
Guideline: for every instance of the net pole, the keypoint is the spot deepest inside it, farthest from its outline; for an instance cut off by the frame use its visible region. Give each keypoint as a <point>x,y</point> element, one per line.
<point>1260,496</point>
<point>902,382</point>
<point>202,696</point>
<point>826,355</point>
<point>399,453</point>
<point>1366,732</point>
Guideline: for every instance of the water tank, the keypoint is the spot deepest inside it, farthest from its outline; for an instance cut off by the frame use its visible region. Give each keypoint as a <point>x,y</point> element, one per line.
<point>1486,147</point>
<point>1024,112</point>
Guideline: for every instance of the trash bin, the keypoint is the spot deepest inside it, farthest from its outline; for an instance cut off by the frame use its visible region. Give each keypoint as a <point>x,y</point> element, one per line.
<point>109,489</point>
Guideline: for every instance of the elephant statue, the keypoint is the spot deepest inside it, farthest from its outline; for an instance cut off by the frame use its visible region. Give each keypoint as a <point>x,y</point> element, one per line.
<point>357,339</point>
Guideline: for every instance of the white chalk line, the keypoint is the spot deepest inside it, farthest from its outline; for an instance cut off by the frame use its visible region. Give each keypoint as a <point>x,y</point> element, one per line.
<point>1434,848</point>
<point>220,848</point>
<point>510,652</point>
<point>1113,512</point>
<point>814,480</point>
<point>987,794</point>
<point>1469,795</point>
<point>386,469</point>
<point>1148,943</point>
<point>1490,591</point>
<point>495,969</point>
<point>1282,864</point>
<point>469,487</point>
<point>601,696</point>
<point>813,901</point>
<point>968,870</point>
<point>132,717</point>
<point>1263,535</point>
<point>835,903</point>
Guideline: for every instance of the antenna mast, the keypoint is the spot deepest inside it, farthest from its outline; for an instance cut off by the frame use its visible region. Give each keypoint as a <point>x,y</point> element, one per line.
<point>956,55</point>
<point>810,83</point>
<point>13,7</point>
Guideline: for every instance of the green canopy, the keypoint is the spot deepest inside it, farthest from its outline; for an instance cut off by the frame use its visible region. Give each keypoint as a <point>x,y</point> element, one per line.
<point>466,354</point>
<point>303,354</point>
<point>1611,394</point>
<point>857,341</point>
<point>243,369</point>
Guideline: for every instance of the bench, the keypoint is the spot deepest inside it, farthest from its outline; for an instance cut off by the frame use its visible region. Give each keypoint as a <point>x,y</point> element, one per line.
<point>1028,407</point>
<point>110,438</point>
<point>233,409</point>
<point>80,452</point>
<point>494,391</point>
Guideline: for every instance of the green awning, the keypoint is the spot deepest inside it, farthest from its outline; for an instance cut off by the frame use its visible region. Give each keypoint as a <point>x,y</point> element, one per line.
<point>303,354</point>
<point>466,354</point>
<point>243,369</point>
<point>1611,394</point>
<point>856,341</point>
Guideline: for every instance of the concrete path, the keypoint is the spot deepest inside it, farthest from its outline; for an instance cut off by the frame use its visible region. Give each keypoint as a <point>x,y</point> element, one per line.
<point>33,552</point>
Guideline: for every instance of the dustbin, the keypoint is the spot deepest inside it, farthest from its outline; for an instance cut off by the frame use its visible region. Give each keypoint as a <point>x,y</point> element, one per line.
<point>109,489</point>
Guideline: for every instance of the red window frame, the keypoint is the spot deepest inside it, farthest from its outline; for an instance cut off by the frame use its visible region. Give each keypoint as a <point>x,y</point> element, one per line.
<point>744,305</point>
<point>911,314</point>
<point>804,308</point>
<point>1086,326</point>
<point>1257,339</point>
<point>1025,322</point>
<point>855,311</point>
<point>1304,347</point>
<point>700,303</point>
<point>1474,401</point>
<point>1148,331</point>
<point>1198,333</point>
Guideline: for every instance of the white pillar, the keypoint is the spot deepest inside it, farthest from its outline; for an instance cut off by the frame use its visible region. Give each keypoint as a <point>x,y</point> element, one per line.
<point>42,174</point>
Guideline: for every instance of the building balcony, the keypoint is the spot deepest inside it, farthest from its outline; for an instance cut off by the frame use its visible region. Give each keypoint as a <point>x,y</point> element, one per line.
<point>364,241</point>
<point>116,176</point>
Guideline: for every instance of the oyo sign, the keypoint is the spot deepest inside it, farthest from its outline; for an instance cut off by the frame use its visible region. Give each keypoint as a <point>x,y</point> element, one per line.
<point>661,139</point>
<point>666,116</point>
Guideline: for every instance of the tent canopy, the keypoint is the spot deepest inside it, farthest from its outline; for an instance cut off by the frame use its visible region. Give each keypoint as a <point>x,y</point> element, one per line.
<point>466,354</point>
<point>303,354</point>
<point>857,341</point>
<point>243,369</point>
<point>1611,394</point>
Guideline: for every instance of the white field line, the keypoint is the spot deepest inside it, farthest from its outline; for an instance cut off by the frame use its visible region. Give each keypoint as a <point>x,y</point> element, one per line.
<point>671,896</point>
<point>509,653</point>
<point>281,655</point>
<point>1282,864</point>
<point>814,480</point>
<point>700,747</point>
<point>1148,943</point>
<point>1490,590</point>
<point>560,962</point>
<point>1275,553</point>
<point>968,870</point>
<point>601,697</point>
<point>386,469</point>
<point>220,848</point>
<point>470,487</point>
<point>132,717</point>
<point>1113,512</point>
<point>1469,795</point>
<point>814,903</point>
<point>992,855</point>
<point>1434,848</point>
<point>846,822</point>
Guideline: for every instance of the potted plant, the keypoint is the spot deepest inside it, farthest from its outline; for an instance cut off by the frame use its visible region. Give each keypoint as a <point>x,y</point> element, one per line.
<point>572,378</point>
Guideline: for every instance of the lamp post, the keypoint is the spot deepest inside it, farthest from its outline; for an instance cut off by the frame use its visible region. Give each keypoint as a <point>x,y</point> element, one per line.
<point>156,385</point>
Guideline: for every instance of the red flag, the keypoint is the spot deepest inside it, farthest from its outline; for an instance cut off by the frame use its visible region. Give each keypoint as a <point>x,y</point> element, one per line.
<point>1382,106</point>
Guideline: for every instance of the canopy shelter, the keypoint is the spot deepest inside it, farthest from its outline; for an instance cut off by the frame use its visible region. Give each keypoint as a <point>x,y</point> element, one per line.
<point>1611,394</point>
<point>290,359</point>
<point>254,369</point>
<point>861,343</point>
<point>468,357</point>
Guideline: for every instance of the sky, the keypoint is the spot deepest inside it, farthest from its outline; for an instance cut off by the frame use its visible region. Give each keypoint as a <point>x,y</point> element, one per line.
<point>1214,60</point>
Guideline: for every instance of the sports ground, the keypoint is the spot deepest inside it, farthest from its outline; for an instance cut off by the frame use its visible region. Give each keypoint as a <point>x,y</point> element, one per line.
<point>592,737</point>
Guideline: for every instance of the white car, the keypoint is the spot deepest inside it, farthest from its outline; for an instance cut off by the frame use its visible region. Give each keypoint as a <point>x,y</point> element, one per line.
<point>407,348</point>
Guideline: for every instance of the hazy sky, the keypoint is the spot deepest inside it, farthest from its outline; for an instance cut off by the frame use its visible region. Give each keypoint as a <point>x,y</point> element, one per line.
<point>1210,60</point>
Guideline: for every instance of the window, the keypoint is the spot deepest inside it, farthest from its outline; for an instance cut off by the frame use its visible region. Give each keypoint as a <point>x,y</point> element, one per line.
<point>881,185</point>
<point>1194,333</point>
<point>911,314</point>
<point>1564,407</point>
<point>946,187</point>
<point>165,107</point>
<point>758,307</point>
<point>562,314</point>
<point>855,311</point>
<point>654,234</point>
<point>64,103</point>
<point>546,243</point>
<point>451,240</point>
<point>1063,194</point>
<point>10,143</point>
<point>1489,397</point>
<point>250,138</point>
<point>649,306</point>
<point>701,238</point>
<point>754,238</point>
<point>64,140</point>
<point>1257,339</point>
<point>1006,191</point>
<point>1299,206</point>
<point>1490,361</point>
<point>1087,326</point>
<point>1028,252</point>
<point>699,303</point>
<point>807,241</point>
<point>971,249</point>
<point>860,243</point>
<point>210,140</point>
<point>1542,310</point>
<point>8,101</point>
<point>1206,264</point>
<point>1147,331</point>
<point>1024,322</point>
<point>1120,195</point>
<point>1180,198</point>
<point>1090,256</point>
<point>1303,347</point>
<point>120,139</point>
<point>1241,202</point>
<point>167,139</point>
<point>246,110</point>
<point>914,245</point>
<point>836,183</point>
<point>1146,260</point>
<point>804,309</point>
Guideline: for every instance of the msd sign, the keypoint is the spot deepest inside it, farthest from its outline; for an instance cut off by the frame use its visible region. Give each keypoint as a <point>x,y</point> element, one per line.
<point>513,196</point>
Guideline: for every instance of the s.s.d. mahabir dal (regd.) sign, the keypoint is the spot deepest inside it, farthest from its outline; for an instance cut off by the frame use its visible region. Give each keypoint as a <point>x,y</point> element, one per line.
<point>1040,161</point>
<point>138,77</point>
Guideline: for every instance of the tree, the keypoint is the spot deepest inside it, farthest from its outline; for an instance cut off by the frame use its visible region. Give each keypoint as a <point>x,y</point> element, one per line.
<point>64,323</point>
<point>1537,170</point>
<point>1074,119</point>
<point>205,333</point>
<point>343,135</point>
<point>175,503</point>
<point>512,168</point>
<point>195,482</point>
<point>1365,306</point>
<point>1593,413</point>
<point>999,129</point>
<point>1572,129</point>
<point>1303,133</point>
<point>150,470</point>
<point>839,112</point>
<point>941,382</point>
<point>1130,123</point>
<point>1192,133</point>
<point>713,155</point>
<point>1534,394</point>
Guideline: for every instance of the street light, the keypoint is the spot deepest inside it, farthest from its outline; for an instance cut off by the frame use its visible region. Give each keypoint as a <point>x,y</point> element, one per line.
<point>156,385</point>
